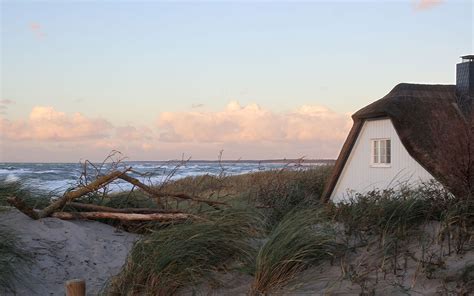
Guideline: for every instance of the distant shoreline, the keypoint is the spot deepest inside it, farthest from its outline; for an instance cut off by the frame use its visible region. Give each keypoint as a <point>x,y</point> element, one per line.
<point>246,161</point>
<point>321,161</point>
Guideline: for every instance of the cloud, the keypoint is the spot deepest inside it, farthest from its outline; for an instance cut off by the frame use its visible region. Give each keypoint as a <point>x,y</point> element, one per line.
<point>4,103</point>
<point>36,28</point>
<point>47,124</point>
<point>134,134</point>
<point>252,123</point>
<point>426,4</point>
<point>194,106</point>
<point>248,131</point>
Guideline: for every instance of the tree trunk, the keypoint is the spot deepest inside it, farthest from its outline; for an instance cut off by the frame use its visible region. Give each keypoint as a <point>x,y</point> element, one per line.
<point>97,208</point>
<point>125,216</point>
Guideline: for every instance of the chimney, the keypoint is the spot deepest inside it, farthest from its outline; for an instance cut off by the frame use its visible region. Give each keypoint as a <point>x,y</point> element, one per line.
<point>465,76</point>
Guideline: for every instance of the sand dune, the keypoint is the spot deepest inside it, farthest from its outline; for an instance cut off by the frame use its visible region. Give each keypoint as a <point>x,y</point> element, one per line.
<point>65,250</point>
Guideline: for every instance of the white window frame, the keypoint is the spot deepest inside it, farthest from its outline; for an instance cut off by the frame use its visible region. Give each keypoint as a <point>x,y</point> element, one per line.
<point>379,164</point>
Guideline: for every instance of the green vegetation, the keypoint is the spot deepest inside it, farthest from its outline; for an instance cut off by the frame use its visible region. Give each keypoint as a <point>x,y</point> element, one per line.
<point>268,213</point>
<point>33,198</point>
<point>395,215</point>
<point>183,254</point>
<point>302,239</point>
<point>12,259</point>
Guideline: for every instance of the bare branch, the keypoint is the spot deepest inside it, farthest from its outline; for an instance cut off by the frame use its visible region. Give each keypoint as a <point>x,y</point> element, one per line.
<point>71,195</point>
<point>158,194</point>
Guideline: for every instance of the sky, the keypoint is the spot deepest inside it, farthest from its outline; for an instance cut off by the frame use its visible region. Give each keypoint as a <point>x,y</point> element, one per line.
<point>166,80</point>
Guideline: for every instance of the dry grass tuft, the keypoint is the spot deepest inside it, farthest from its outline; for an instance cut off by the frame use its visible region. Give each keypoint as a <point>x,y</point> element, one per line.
<point>301,240</point>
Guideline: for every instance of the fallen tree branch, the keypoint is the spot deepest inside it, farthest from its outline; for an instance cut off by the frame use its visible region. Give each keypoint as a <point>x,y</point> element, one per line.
<point>125,216</point>
<point>22,207</point>
<point>71,195</point>
<point>102,212</point>
<point>158,194</point>
<point>97,208</point>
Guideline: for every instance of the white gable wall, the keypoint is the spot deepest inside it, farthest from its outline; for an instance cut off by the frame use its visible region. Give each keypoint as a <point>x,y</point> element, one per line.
<point>359,176</point>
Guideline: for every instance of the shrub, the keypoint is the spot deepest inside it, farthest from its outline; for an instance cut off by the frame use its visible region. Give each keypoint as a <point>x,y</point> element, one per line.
<point>384,212</point>
<point>283,191</point>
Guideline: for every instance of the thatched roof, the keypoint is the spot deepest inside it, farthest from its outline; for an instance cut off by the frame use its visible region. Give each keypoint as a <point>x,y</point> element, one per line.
<point>435,125</point>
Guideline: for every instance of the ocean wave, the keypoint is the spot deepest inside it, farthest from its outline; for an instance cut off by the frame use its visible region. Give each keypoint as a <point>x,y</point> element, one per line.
<point>57,177</point>
<point>11,178</point>
<point>13,170</point>
<point>47,172</point>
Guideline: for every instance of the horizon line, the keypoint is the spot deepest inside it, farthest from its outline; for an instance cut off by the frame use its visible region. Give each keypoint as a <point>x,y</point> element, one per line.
<point>277,160</point>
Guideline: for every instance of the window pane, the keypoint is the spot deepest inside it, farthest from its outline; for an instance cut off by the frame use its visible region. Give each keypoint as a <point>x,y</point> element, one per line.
<point>383,151</point>
<point>376,152</point>
<point>389,151</point>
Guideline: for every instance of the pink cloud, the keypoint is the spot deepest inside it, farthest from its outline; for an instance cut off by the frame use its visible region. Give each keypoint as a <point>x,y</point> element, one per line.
<point>131,133</point>
<point>47,124</point>
<point>36,28</point>
<point>6,102</point>
<point>252,123</point>
<point>426,4</point>
<point>248,131</point>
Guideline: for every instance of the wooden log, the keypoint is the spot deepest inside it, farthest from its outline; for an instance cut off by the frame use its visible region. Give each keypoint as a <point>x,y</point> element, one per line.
<point>158,194</point>
<point>125,216</point>
<point>22,207</point>
<point>76,287</point>
<point>71,195</point>
<point>97,208</point>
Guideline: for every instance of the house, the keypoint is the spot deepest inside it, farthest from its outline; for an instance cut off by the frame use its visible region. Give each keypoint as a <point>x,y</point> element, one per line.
<point>416,133</point>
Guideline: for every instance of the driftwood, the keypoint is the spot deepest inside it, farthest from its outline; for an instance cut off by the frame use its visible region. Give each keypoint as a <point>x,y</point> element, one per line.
<point>55,209</point>
<point>159,194</point>
<point>164,217</point>
<point>96,208</point>
<point>69,196</point>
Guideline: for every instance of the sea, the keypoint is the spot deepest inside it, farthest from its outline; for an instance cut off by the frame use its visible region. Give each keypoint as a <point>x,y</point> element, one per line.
<point>59,177</point>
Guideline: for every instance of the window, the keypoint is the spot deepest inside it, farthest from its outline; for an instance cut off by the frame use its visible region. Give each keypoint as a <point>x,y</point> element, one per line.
<point>381,152</point>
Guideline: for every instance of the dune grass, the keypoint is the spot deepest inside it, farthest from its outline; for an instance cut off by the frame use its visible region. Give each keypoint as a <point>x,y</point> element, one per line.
<point>276,192</point>
<point>384,212</point>
<point>33,198</point>
<point>12,259</point>
<point>182,255</point>
<point>301,240</point>
<point>399,213</point>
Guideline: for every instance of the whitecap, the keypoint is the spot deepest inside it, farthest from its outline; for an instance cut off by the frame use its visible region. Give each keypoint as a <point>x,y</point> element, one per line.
<point>11,178</point>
